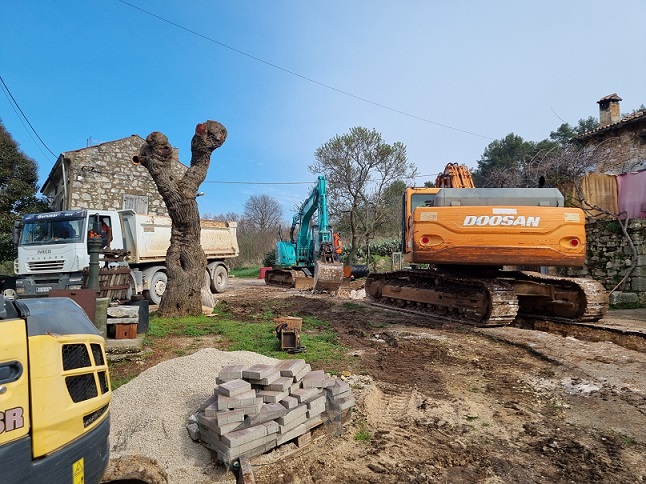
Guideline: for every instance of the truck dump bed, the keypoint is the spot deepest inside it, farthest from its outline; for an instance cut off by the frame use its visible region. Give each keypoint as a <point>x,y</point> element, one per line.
<point>149,235</point>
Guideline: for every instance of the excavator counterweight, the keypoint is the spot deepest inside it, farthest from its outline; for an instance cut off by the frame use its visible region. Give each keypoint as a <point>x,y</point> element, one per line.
<point>476,243</point>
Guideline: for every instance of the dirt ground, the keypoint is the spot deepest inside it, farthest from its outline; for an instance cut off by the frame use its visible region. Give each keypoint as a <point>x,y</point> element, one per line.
<point>444,403</point>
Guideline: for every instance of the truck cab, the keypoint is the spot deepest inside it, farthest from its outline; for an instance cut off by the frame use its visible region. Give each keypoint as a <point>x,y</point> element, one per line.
<point>52,248</point>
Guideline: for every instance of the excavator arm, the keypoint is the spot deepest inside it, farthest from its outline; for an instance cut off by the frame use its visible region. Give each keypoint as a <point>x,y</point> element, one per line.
<point>310,252</point>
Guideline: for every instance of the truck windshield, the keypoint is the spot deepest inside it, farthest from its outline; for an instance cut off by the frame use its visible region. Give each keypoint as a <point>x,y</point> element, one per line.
<point>52,231</point>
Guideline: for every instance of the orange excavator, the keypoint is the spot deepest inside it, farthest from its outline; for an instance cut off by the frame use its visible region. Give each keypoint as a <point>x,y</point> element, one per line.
<point>464,243</point>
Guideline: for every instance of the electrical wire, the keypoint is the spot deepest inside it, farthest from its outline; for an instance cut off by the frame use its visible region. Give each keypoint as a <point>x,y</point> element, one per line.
<point>229,182</point>
<point>15,103</point>
<point>296,74</point>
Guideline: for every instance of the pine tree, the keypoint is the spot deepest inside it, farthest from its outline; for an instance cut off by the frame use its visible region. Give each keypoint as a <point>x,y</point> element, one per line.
<point>18,190</point>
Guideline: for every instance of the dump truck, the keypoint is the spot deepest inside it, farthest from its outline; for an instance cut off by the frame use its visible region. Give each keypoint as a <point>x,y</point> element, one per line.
<point>54,394</point>
<point>52,250</point>
<point>467,248</point>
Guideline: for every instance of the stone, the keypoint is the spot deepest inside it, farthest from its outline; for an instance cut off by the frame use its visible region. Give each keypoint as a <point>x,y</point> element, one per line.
<point>267,380</point>
<point>302,372</point>
<point>292,415</point>
<point>231,372</point>
<point>239,437</point>
<point>289,402</point>
<point>281,384</point>
<point>258,372</point>
<point>269,411</point>
<point>233,388</point>
<point>290,368</point>
<point>193,431</point>
<point>339,386</point>
<point>269,396</point>
<point>124,312</point>
<point>292,434</point>
<point>316,379</point>
<point>304,394</point>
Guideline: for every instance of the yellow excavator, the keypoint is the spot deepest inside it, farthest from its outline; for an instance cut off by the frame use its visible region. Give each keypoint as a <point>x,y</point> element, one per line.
<point>463,244</point>
<point>54,394</point>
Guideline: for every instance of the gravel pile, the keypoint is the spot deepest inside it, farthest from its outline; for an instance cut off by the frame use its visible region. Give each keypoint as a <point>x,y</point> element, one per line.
<point>149,414</point>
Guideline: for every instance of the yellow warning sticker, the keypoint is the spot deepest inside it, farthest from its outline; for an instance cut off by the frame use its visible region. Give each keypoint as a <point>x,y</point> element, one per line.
<point>572,217</point>
<point>78,472</point>
<point>428,216</point>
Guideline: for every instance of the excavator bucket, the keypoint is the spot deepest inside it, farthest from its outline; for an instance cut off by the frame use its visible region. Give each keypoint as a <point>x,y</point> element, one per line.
<point>328,276</point>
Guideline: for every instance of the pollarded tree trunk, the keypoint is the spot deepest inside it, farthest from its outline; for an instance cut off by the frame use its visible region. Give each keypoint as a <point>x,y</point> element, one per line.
<point>185,259</point>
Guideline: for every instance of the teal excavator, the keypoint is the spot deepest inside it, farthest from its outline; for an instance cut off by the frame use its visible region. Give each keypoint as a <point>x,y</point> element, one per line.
<point>307,260</point>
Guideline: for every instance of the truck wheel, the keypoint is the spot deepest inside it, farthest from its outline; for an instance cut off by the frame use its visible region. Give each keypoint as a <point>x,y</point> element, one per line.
<point>157,287</point>
<point>220,279</point>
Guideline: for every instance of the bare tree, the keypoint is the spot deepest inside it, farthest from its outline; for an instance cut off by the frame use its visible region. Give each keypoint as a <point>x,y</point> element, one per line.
<point>185,259</point>
<point>262,213</point>
<point>359,167</point>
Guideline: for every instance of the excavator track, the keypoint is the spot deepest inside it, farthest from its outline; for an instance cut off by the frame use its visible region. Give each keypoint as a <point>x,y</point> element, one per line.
<point>488,301</point>
<point>571,299</point>
<point>445,296</point>
<point>288,279</point>
<point>327,277</point>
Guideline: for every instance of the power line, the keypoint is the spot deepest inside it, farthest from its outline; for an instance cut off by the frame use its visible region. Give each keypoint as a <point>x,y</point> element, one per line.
<point>229,182</point>
<point>296,74</point>
<point>257,183</point>
<point>7,91</point>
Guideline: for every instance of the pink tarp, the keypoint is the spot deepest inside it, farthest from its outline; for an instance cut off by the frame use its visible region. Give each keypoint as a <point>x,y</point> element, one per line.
<point>631,188</point>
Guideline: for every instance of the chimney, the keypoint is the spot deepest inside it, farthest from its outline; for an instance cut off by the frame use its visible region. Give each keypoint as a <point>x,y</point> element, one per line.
<point>609,110</point>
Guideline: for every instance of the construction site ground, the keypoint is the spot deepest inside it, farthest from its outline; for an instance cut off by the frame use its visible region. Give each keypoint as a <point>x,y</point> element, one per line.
<point>438,402</point>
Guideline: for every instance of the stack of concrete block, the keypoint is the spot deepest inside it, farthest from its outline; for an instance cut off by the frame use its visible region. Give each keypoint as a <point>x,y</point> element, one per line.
<point>257,408</point>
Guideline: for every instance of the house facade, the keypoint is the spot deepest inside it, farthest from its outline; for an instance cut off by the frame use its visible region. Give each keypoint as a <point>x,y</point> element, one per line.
<point>618,144</point>
<point>104,177</point>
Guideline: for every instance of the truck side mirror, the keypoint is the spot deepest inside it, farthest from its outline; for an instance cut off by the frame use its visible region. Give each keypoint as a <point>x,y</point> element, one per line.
<point>17,225</point>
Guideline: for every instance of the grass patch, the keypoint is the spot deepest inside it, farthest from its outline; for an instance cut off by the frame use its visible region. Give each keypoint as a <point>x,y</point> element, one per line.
<point>117,381</point>
<point>248,272</point>
<point>320,340</point>
<point>352,306</point>
<point>363,434</point>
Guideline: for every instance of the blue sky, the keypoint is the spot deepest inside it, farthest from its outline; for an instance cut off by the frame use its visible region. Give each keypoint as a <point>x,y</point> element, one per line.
<point>445,78</point>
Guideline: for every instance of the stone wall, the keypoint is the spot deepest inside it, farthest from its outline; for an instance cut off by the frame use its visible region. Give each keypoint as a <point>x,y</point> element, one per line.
<point>104,177</point>
<point>609,257</point>
<point>618,152</point>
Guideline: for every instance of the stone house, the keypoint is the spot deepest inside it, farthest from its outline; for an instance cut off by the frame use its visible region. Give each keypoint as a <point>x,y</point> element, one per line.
<point>619,144</point>
<point>104,177</point>
<point>619,147</point>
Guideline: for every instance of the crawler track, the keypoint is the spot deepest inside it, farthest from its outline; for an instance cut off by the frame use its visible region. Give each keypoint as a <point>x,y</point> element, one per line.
<point>488,301</point>
<point>479,302</point>
<point>327,277</point>
<point>288,278</point>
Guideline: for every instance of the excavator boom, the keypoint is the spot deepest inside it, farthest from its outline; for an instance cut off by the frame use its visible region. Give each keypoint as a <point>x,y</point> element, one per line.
<point>307,260</point>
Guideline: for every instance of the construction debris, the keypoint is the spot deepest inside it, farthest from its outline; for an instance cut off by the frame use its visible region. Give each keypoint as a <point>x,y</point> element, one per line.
<point>257,408</point>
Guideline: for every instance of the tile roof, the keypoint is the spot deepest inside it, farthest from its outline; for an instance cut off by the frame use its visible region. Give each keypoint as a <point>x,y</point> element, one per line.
<point>639,116</point>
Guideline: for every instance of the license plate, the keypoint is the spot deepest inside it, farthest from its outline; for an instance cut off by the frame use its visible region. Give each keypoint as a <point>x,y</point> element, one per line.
<point>43,289</point>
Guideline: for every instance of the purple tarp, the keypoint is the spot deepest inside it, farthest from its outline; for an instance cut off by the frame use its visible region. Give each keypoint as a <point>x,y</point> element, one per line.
<point>631,188</point>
